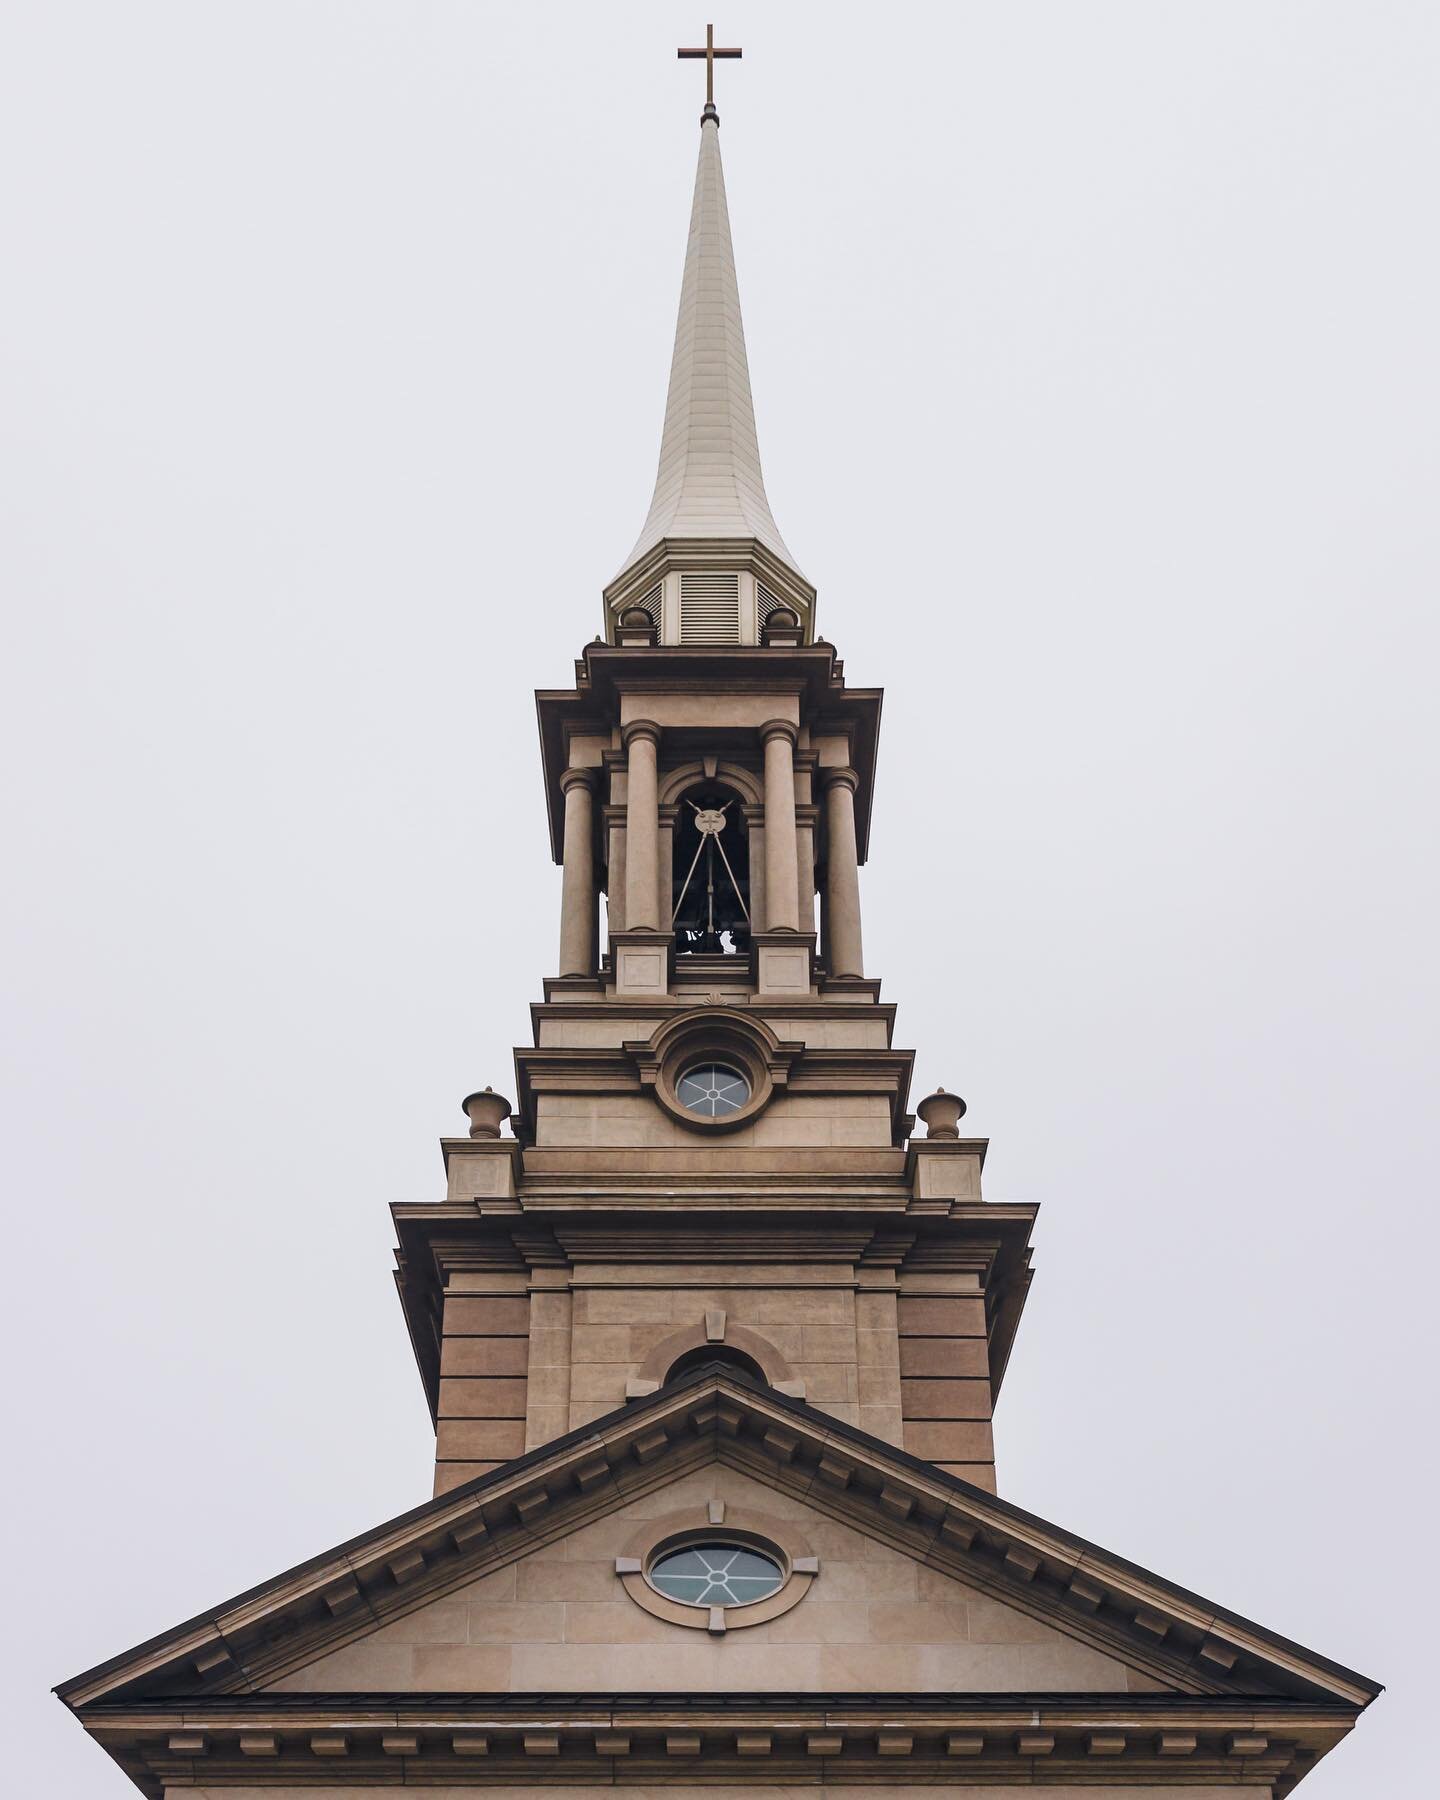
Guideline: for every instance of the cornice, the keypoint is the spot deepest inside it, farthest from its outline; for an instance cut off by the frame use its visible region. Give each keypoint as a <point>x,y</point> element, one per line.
<point>742,1739</point>
<point>606,671</point>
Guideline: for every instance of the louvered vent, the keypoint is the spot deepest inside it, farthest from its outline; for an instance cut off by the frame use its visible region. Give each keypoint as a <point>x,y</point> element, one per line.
<point>710,609</point>
<point>650,603</point>
<point>768,602</point>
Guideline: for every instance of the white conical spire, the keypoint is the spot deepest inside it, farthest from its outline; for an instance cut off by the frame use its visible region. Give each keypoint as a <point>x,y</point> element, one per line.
<point>709,483</point>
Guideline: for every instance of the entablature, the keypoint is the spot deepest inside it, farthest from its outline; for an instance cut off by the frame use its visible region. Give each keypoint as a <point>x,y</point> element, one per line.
<point>717,693</point>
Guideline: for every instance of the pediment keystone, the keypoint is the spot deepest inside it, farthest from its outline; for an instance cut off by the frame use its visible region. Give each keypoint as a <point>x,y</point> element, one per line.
<point>470,1531</point>
<point>781,1444</point>
<point>214,1660</point>
<point>528,1507</point>
<point>1246,1743</point>
<point>957,1529</point>
<point>406,1566</point>
<point>342,1596</point>
<point>897,1502</point>
<point>1084,1593</point>
<point>1022,1562</point>
<point>1220,1655</point>
<point>835,1469</point>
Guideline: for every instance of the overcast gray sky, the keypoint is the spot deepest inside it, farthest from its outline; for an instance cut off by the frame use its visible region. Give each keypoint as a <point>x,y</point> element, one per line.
<point>1095,358</point>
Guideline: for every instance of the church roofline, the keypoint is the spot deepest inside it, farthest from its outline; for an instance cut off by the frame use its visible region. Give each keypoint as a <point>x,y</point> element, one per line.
<point>1053,1574</point>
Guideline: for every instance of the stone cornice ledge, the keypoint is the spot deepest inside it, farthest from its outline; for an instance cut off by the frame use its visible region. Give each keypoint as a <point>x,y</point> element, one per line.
<point>481,1739</point>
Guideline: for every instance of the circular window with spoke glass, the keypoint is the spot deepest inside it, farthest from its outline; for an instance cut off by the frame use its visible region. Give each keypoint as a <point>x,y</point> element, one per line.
<point>716,1574</point>
<point>713,1090</point>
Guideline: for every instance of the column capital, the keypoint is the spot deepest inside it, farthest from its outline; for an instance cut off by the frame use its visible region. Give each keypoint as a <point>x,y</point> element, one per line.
<point>574,778</point>
<point>841,777</point>
<point>779,728</point>
<point>639,728</point>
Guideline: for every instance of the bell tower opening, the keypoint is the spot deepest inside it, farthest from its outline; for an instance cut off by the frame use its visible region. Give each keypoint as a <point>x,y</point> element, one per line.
<point>710,899</point>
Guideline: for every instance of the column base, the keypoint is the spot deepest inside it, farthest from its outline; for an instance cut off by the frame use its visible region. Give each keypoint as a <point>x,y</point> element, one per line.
<point>643,962</point>
<point>782,964</point>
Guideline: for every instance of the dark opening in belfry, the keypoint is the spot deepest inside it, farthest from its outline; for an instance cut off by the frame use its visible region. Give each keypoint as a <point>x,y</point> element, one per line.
<point>714,1353</point>
<point>711,890</point>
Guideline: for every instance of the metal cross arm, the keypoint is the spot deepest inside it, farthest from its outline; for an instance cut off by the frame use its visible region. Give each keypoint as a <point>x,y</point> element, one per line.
<point>709,53</point>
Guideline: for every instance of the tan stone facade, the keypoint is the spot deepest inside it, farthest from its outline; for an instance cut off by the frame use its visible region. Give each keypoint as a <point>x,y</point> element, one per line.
<point>878,1619</point>
<point>712,1333</point>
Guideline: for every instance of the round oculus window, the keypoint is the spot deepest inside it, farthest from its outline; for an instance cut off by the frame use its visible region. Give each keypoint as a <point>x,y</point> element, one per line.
<point>713,1090</point>
<point>716,1574</point>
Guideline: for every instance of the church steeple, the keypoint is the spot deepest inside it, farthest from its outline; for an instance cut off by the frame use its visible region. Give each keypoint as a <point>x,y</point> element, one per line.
<point>710,536</point>
<point>712,1342</point>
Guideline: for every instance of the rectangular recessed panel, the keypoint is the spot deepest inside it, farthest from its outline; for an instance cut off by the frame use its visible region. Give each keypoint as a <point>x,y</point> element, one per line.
<point>710,609</point>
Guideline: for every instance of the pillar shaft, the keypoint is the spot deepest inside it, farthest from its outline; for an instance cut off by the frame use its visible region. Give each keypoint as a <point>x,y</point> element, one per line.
<point>842,876</point>
<point>782,874</point>
<point>577,894</point>
<point>642,826</point>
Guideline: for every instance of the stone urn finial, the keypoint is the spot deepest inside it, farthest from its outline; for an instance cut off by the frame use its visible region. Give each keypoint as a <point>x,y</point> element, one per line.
<point>635,627</point>
<point>942,1114</point>
<point>488,1111</point>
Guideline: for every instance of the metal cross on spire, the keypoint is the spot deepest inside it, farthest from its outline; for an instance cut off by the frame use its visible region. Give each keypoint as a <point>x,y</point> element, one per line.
<point>709,53</point>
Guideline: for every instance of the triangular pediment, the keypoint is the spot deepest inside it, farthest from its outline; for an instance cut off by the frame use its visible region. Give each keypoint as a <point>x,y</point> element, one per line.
<point>577,1615</point>
<point>468,1545</point>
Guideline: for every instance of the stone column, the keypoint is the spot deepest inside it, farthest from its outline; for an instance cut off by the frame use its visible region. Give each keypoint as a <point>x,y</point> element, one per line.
<point>665,866</point>
<point>842,878</point>
<point>642,825</point>
<point>782,875</point>
<point>577,894</point>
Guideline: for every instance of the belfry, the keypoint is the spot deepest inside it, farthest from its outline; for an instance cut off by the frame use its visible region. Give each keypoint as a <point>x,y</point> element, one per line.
<point>711,1330</point>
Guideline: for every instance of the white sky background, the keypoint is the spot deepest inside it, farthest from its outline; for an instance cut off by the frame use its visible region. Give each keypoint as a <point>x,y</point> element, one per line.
<point>1095,358</point>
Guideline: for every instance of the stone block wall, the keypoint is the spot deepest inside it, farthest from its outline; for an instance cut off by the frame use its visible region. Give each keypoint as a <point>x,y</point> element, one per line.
<point>526,1360</point>
<point>945,1381</point>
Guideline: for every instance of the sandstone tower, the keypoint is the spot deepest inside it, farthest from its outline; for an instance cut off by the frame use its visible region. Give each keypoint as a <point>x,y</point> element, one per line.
<point>711,1334</point>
